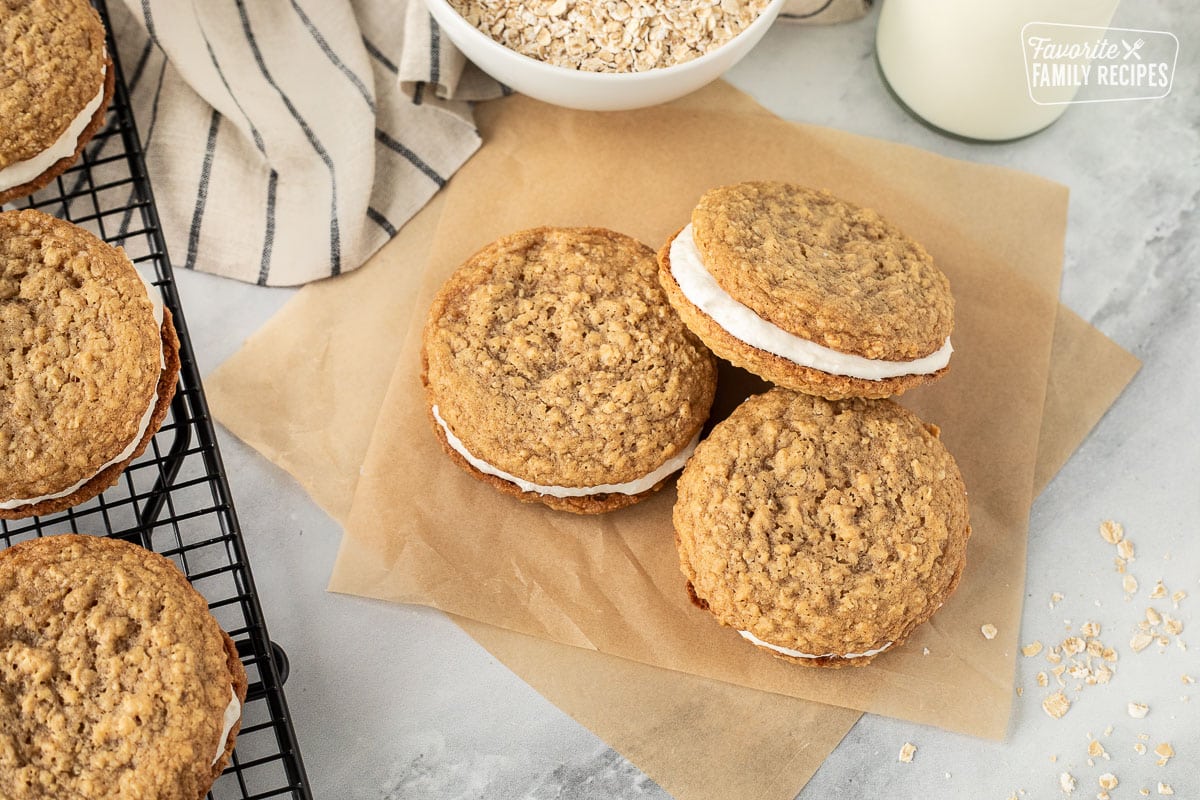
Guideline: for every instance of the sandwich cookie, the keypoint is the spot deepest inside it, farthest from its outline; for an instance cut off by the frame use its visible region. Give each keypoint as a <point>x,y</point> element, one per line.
<point>56,80</point>
<point>115,680</point>
<point>823,531</point>
<point>810,292</point>
<point>90,361</point>
<point>556,371</point>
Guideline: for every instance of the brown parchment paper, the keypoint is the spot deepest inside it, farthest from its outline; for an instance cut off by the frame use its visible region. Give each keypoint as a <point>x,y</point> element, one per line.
<point>668,723</point>
<point>420,531</point>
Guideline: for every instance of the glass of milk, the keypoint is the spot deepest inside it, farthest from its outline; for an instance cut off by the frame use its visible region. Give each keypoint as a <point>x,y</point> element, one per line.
<point>960,65</point>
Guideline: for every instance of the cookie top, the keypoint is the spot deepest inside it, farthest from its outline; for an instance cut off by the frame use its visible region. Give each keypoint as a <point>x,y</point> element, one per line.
<point>82,354</point>
<point>116,677</point>
<point>553,355</point>
<point>52,58</point>
<point>829,528</point>
<point>824,269</point>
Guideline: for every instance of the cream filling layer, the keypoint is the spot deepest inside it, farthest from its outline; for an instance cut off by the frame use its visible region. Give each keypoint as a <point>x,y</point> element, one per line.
<point>741,322</point>
<point>797,654</point>
<point>21,172</point>
<point>672,464</point>
<point>143,425</point>
<point>233,712</point>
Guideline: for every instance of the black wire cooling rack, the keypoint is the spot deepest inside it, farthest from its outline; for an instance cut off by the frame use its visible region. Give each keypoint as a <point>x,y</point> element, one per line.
<point>175,498</point>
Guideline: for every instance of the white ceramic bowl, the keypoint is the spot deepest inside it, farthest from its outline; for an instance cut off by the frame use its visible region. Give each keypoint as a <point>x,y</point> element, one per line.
<point>596,91</point>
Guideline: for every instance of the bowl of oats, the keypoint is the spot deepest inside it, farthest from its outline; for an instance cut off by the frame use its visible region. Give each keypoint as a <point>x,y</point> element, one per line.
<point>605,55</point>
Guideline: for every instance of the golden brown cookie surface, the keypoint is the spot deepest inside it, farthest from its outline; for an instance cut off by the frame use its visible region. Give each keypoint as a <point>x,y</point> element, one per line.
<point>53,63</point>
<point>776,368</point>
<point>827,528</point>
<point>824,269</point>
<point>116,677</point>
<point>553,356</point>
<point>84,361</point>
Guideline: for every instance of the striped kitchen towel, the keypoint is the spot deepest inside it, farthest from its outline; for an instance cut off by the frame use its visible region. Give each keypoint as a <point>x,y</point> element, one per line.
<point>278,141</point>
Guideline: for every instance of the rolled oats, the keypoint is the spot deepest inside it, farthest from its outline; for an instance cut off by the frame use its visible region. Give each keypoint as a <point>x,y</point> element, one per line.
<point>611,35</point>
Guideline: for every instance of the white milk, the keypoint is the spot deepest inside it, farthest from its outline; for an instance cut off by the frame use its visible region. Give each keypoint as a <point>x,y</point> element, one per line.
<point>960,64</point>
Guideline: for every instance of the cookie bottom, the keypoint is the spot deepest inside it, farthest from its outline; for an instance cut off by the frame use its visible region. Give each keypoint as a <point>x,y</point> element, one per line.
<point>109,475</point>
<point>65,163</point>
<point>591,504</point>
<point>776,369</point>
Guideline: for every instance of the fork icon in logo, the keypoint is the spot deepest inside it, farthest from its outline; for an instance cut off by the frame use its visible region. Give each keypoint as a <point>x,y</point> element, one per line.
<point>1132,49</point>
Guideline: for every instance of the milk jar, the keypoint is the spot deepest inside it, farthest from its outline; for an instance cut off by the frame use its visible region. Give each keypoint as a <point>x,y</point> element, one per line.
<point>960,65</point>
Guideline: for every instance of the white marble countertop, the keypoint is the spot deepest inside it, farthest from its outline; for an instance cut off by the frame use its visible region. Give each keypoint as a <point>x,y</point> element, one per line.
<point>427,713</point>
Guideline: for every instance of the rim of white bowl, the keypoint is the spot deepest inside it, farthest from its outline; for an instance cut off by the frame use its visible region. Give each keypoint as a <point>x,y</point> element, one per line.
<point>763,20</point>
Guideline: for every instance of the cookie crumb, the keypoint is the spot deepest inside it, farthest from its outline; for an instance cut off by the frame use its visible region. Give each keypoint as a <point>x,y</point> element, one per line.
<point>989,631</point>
<point>1139,748</point>
<point>1165,788</point>
<point>1108,781</point>
<point>1056,705</point>
<point>1067,781</point>
<point>1138,710</point>
<point>1112,531</point>
<point>1164,752</point>
<point>906,753</point>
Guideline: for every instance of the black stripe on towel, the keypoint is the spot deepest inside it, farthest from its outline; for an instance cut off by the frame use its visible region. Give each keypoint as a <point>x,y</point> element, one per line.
<point>435,52</point>
<point>412,157</point>
<point>258,140</point>
<point>149,18</point>
<point>264,267</point>
<point>335,245</point>
<point>381,221</point>
<point>333,57</point>
<point>202,191</point>
<point>377,54</point>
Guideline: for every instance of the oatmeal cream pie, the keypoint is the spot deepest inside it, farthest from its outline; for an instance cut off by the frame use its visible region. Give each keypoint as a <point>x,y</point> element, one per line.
<point>115,680</point>
<point>89,361</point>
<point>556,371</point>
<point>56,80</point>
<point>809,291</point>
<point>823,531</point>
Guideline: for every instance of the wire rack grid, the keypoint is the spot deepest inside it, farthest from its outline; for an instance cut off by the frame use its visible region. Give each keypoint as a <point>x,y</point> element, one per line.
<point>175,498</point>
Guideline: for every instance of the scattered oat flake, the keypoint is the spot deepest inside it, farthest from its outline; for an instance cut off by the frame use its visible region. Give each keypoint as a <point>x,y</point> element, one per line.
<point>1043,681</point>
<point>1108,654</point>
<point>1165,788</point>
<point>1144,792</point>
<point>1031,649</point>
<point>989,631</point>
<point>1175,598</point>
<point>1172,625</point>
<point>1090,629</point>
<point>906,752</point>
<point>1096,750</point>
<point>1056,705</point>
<point>1073,644</point>
<point>1158,592</point>
<point>1152,616</point>
<point>1140,642</point>
<point>1054,656</point>
<point>1125,549</point>
<point>1020,691</point>
<point>1129,584</point>
<point>1108,781</point>
<point>1164,751</point>
<point>1112,531</point>
<point>1138,710</point>
<point>1139,748</point>
<point>1055,598</point>
<point>1188,679</point>
<point>1095,648</point>
<point>1108,731</point>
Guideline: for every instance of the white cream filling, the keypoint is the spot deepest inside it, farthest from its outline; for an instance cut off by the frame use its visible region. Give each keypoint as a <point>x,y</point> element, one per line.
<point>21,172</point>
<point>672,464</point>
<point>143,425</point>
<point>703,291</point>
<point>797,654</point>
<point>233,712</point>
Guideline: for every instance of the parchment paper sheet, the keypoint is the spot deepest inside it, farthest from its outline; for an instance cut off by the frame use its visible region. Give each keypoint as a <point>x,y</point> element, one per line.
<point>668,723</point>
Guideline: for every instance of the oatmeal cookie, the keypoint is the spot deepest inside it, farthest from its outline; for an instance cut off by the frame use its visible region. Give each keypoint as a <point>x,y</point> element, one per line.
<point>556,371</point>
<point>823,531</point>
<point>91,360</point>
<point>809,291</point>
<point>56,80</point>
<point>116,679</point>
